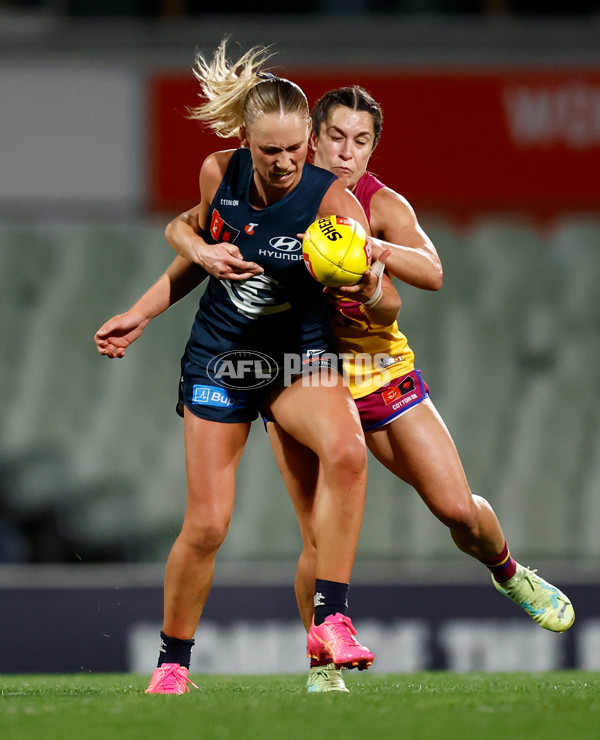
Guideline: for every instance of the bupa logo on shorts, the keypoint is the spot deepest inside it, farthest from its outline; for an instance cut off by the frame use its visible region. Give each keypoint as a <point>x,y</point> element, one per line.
<point>242,369</point>
<point>209,395</point>
<point>284,243</point>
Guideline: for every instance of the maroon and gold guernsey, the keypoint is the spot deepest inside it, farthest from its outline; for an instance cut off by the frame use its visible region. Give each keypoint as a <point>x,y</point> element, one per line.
<point>373,354</point>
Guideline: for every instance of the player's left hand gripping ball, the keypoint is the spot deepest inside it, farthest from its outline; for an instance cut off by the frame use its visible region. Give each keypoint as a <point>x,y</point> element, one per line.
<point>336,251</point>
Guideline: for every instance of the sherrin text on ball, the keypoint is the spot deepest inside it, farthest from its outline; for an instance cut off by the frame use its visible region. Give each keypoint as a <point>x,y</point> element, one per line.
<point>336,251</point>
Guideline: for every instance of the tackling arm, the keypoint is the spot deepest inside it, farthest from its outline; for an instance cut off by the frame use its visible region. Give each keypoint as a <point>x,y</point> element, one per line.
<point>413,257</point>
<point>339,201</point>
<point>184,233</point>
<point>375,292</point>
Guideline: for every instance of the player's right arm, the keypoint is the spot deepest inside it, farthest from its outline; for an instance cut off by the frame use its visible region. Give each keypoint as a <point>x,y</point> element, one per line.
<point>185,232</point>
<point>394,225</point>
<point>339,201</point>
<point>116,334</point>
<point>375,292</point>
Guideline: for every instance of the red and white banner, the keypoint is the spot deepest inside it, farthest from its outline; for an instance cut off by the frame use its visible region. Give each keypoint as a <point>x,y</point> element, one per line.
<point>454,140</point>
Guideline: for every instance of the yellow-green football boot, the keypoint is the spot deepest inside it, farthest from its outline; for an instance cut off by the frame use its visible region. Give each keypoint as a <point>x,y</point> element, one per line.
<point>323,678</point>
<point>544,603</point>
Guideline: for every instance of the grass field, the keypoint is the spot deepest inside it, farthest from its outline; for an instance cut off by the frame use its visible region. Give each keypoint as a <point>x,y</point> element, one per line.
<point>422,706</point>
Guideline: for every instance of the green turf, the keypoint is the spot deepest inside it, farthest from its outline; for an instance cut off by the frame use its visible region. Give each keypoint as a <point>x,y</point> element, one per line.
<point>422,706</point>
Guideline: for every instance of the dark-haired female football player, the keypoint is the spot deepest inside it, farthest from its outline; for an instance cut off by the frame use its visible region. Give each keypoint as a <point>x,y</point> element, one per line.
<point>402,427</point>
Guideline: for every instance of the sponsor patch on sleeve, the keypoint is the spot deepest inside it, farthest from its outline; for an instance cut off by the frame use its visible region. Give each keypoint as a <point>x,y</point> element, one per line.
<point>221,230</point>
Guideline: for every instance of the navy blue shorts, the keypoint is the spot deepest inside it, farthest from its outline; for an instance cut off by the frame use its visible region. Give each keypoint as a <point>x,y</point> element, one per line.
<point>216,403</point>
<point>238,389</point>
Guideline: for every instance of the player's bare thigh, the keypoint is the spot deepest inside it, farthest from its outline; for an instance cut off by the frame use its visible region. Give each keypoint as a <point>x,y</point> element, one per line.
<point>418,448</point>
<point>318,415</point>
<point>298,465</point>
<point>212,451</point>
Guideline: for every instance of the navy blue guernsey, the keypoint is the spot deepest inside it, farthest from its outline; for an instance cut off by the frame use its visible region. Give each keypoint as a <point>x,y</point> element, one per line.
<point>282,310</point>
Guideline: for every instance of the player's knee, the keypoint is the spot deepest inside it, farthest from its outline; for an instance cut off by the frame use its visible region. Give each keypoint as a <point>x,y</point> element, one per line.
<point>461,516</point>
<point>309,552</point>
<point>346,455</point>
<point>205,536</point>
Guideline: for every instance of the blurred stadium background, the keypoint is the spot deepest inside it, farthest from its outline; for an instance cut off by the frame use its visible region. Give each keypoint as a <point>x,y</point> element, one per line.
<point>492,130</point>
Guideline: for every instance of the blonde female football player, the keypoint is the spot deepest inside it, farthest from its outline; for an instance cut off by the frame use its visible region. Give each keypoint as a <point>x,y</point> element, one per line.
<point>255,303</point>
<point>402,427</point>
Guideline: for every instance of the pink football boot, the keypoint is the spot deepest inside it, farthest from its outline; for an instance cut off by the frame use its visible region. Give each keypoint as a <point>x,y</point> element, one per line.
<point>170,678</point>
<point>334,640</point>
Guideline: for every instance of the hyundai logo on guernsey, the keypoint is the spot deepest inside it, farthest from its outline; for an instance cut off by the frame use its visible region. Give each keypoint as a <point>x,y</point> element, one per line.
<point>283,248</point>
<point>242,369</point>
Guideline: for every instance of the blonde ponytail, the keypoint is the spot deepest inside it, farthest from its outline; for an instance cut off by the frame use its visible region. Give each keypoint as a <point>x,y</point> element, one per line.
<point>236,93</point>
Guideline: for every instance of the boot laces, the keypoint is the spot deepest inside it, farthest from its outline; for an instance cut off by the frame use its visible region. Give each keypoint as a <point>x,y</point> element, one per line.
<point>344,631</point>
<point>174,678</point>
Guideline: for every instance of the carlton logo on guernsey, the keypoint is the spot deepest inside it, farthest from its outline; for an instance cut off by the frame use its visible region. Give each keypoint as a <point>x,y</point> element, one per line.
<point>255,297</point>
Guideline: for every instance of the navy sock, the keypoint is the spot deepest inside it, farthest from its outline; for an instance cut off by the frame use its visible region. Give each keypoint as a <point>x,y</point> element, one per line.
<point>331,597</point>
<point>174,650</point>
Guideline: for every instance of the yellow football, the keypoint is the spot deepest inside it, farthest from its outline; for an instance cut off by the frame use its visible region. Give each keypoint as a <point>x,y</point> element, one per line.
<point>336,251</point>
